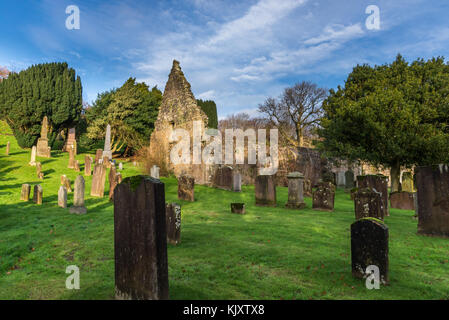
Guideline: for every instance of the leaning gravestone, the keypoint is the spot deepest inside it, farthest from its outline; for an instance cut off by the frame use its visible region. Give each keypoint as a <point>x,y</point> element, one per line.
<point>62,197</point>
<point>107,144</point>
<point>140,240</point>
<point>295,191</point>
<point>407,182</point>
<point>324,197</point>
<point>155,172</point>
<point>33,156</point>
<point>186,188</point>
<point>368,203</point>
<point>349,179</point>
<point>238,208</point>
<point>87,165</point>
<point>8,146</point>
<point>402,200</point>
<point>25,194</point>
<point>265,190</point>
<point>78,197</point>
<point>237,182</point>
<point>98,156</point>
<point>173,221</point>
<point>378,183</point>
<point>369,247</point>
<point>37,195</point>
<point>98,181</point>
<point>433,200</point>
<point>43,150</point>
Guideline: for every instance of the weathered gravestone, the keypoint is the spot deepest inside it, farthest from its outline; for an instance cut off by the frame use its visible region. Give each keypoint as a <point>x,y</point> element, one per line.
<point>155,172</point>
<point>265,190</point>
<point>8,146</point>
<point>72,159</point>
<point>407,182</point>
<point>25,193</point>
<point>402,200</point>
<point>107,144</point>
<point>295,191</point>
<point>66,183</point>
<point>369,247</point>
<point>222,178</point>
<point>33,156</point>
<point>186,188</point>
<point>77,166</point>
<point>433,200</point>
<point>38,194</point>
<point>238,208</point>
<point>307,188</point>
<point>368,203</point>
<point>114,179</point>
<point>43,150</point>
<point>341,179</point>
<point>38,169</point>
<point>378,183</point>
<point>62,197</point>
<point>71,140</point>
<point>78,197</point>
<point>106,162</point>
<point>87,165</point>
<point>324,196</point>
<point>98,181</point>
<point>349,180</point>
<point>237,182</point>
<point>120,166</point>
<point>98,156</point>
<point>173,221</point>
<point>140,240</point>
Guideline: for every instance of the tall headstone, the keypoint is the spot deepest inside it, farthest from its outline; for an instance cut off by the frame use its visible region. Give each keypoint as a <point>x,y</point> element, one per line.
<point>368,203</point>
<point>186,188</point>
<point>140,240</point>
<point>98,156</point>
<point>113,181</point>
<point>8,146</point>
<point>349,179</point>
<point>402,200</point>
<point>433,200</point>
<point>98,181</point>
<point>107,143</point>
<point>369,247</point>
<point>38,194</point>
<point>25,193</point>
<point>71,140</point>
<point>378,183</point>
<point>295,191</point>
<point>237,182</point>
<point>87,166</point>
<point>43,150</point>
<point>173,221</point>
<point>33,156</point>
<point>62,197</point>
<point>407,182</point>
<point>324,197</point>
<point>155,172</point>
<point>265,190</point>
<point>78,197</point>
<point>341,179</point>
<point>72,159</point>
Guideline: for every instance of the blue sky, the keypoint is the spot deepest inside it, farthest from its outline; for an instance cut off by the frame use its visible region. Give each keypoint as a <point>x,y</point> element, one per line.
<point>234,52</point>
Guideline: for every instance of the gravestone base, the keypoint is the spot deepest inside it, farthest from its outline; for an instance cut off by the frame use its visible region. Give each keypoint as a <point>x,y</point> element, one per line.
<point>78,210</point>
<point>295,205</point>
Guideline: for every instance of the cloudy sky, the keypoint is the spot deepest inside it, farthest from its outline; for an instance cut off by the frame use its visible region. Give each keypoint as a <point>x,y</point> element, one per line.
<point>234,52</point>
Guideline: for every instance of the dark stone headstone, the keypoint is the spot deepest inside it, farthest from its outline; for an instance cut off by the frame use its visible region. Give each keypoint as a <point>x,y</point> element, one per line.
<point>186,188</point>
<point>238,208</point>
<point>223,178</point>
<point>265,190</point>
<point>140,240</point>
<point>324,196</point>
<point>349,179</point>
<point>402,200</point>
<point>369,246</point>
<point>378,183</point>
<point>173,221</point>
<point>433,200</point>
<point>368,203</point>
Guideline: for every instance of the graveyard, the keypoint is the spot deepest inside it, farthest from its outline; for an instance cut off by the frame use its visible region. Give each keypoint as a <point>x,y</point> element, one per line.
<point>270,252</point>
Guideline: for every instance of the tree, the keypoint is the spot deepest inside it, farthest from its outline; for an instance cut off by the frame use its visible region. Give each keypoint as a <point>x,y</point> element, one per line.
<point>131,110</point>
<point>51,90</point>
<point>297,110</point>
<point>392,115</point>
<point>210,109</point>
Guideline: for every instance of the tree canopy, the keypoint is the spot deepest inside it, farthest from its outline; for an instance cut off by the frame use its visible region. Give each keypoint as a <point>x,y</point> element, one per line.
<point>131,110</point>
<point>51,90</point>
<point>210,109</point>
<point>391,115</point>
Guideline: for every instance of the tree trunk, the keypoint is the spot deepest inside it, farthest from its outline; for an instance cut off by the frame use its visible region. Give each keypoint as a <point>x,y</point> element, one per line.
<point>395,173</point>
<point>300,136</point>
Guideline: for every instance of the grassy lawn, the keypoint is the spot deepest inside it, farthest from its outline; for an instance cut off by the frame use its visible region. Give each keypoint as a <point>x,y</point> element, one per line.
<point>269,253</point>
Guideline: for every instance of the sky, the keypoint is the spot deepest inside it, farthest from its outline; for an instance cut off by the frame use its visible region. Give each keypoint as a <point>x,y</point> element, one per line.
<point>234,52</point>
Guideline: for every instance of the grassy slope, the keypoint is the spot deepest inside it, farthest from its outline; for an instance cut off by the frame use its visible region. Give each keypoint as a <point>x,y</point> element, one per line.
<point>270,253</point>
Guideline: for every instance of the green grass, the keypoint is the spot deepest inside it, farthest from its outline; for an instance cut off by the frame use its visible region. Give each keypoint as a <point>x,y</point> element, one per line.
<point>269,253</point>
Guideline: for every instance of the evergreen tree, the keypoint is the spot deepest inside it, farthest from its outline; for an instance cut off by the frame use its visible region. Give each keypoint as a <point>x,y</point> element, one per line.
<point>210,109</point>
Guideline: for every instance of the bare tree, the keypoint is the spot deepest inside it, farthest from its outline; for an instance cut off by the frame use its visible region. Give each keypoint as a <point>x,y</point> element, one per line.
<point>297,110</point>
<point>4,73</point>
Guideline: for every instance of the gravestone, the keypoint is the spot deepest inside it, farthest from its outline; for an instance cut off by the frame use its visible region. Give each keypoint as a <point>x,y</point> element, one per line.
<point>87,165</point>
<point>98,181</point>
<point>378,183</point>
<point>349,179</point>
<point>265,190</point>
<point>72,159</point>
<point>237,182</point>
<point>307,188</point>
<point>77,166</point>
<point>62,197</point>
<point>37,195</point>
<point>38,169</point>
<point>238,208</point>
<point>402,200</point>
<point>33,156</point>
<point>78,197</point>
<point>120,166</point>
<point>369,246</point>
<point>113,181</point>
<point>295,191</point>
<point>341,179</point>
<point>186,188</point>
<point>173,221</point>
<point>222,178</point>
<point>8,146</point>
<point>106,162</point>
<point>71,140</point>
<point>107,144</point>
<point>324,196</point>
<point>66,183</point>
<point>98,156</point>
<point>432,183</point>
<point>43,150</point>
<point>368,203</point>
<point>407,182</point>
<point>25,194</point>
<point>140,240</point>
<point>155,172</point>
